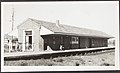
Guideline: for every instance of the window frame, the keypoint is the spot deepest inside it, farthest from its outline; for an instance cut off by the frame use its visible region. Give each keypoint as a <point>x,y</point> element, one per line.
<point>75,40</point>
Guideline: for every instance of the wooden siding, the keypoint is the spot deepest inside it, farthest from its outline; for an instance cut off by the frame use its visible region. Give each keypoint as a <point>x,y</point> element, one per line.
<point>84,42</point>
<point>54,42</point>
<point>98,42</point>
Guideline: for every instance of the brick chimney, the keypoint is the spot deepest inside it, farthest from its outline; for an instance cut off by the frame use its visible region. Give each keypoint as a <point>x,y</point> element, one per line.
<point>57,23</point>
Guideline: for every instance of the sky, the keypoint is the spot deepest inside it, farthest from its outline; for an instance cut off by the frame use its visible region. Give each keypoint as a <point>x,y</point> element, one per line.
<point>102,16</point>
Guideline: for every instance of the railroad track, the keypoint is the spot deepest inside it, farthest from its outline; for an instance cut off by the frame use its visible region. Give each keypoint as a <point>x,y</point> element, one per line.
<point>61,54</point>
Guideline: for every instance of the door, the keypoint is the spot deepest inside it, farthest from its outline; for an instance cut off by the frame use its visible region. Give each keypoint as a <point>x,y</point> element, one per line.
<point>57,42</point>
<point>66,43</point>
<point>90,43</point>
<point>28,41</point>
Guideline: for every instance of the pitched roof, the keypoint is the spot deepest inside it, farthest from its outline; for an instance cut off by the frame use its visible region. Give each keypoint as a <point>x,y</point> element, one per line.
<point>71,30</point>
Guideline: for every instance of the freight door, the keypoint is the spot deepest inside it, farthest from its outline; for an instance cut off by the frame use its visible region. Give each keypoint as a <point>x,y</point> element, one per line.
<point>57,42</point>
<point>66,43</point>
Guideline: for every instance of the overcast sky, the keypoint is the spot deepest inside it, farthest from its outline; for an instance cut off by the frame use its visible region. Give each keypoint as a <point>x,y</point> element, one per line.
<point>103,16</point>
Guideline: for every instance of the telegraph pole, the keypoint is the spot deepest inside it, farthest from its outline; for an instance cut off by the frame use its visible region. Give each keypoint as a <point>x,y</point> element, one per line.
<point>13,19</point>
<point>12,30</point>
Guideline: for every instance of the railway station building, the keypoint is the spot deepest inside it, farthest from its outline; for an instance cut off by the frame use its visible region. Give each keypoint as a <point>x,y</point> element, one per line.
<point>39,35</point>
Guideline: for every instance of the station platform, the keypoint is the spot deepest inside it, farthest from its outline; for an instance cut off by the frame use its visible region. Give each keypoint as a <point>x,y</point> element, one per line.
<point>18,54</point>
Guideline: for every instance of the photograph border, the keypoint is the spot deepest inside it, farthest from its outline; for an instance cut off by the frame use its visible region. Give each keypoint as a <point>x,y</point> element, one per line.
<point>43,69</point>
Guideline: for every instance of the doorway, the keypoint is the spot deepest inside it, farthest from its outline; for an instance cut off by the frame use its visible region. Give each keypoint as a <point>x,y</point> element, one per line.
<point>66,43</point>
<point>28,41</point>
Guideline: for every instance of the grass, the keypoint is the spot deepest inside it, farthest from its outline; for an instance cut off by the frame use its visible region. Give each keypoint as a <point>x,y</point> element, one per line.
<point>105,59</point>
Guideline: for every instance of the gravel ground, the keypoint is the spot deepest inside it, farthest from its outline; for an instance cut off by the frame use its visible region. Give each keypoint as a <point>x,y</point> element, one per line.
<point>104,59</point>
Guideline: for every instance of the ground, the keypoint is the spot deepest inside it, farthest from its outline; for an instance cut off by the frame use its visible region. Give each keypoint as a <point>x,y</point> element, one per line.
<point>104,59</point>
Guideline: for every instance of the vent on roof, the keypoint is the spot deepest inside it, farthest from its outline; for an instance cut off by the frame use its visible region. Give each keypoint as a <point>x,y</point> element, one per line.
<point>57,23</point>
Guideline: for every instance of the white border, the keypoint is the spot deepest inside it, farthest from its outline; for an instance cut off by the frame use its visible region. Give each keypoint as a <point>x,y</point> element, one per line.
<point>56,68</point>
<point>58,2</point>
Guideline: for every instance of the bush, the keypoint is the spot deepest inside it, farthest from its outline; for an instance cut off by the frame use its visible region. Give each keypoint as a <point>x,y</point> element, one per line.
<point>77,64</point>
<point>50,64</point>
<point>107,64</point>
<point>58,60</point>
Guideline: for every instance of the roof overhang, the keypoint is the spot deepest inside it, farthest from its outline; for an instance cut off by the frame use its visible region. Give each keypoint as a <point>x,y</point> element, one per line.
<point>79,35</point>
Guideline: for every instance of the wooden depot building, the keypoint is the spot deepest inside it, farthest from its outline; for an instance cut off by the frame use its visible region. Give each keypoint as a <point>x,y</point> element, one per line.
<point>38,35</point>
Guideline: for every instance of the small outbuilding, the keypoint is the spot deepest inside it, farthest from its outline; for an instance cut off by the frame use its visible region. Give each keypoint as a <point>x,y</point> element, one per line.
<point>10,43</point>
<point>38,35</point>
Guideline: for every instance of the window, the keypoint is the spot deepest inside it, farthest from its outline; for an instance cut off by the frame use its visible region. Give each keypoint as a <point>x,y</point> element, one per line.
<point>53,37</point>
<point>75,40</point>
<point>28,32</point>
<point>61,40</point>
<point>53,42</point>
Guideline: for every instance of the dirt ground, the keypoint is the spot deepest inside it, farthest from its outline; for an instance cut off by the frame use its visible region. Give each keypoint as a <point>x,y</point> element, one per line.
<point>104,59</point>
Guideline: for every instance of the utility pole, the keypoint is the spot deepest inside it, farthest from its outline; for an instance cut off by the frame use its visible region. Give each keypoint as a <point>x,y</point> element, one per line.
<point>13,19</point>
<point>12,28</point>
<point>12,31</point>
